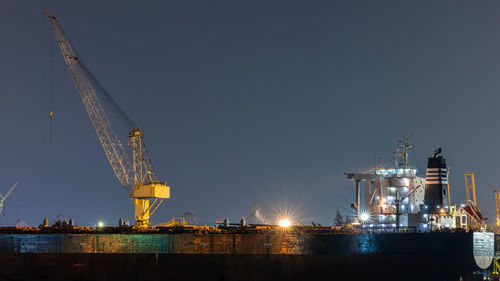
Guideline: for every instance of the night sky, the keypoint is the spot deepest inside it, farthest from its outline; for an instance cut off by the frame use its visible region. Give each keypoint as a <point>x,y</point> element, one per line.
<point>247,102</point>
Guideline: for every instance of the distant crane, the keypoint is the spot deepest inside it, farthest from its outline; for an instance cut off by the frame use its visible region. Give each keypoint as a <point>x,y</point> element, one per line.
<point>497,205</point>
<point>139,176</point>
<point>3,197</point>
<point>470,185</point>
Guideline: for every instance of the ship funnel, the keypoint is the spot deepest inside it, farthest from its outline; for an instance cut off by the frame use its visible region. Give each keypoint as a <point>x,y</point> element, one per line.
<point>435,184</point>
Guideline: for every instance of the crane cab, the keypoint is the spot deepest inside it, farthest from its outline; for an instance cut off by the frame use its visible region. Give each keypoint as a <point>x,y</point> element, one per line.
<point>152,190</point>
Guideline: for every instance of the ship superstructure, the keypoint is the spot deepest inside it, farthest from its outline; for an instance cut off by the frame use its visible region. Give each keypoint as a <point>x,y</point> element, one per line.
<point>396,198</point>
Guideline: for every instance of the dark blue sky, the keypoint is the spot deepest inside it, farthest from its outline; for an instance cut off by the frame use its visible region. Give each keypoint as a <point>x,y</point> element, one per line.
<point>244,102</point>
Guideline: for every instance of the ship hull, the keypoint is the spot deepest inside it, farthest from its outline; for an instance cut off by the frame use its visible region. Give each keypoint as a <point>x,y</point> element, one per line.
<point>230,267</point>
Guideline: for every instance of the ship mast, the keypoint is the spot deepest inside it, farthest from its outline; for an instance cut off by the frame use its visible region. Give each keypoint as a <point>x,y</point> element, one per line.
<point>402,152</point>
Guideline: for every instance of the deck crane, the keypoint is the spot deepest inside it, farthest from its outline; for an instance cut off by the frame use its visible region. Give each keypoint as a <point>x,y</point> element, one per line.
<point>137,176</point>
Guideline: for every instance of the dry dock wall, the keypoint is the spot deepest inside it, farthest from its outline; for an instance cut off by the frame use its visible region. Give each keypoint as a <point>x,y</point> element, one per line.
<point>238,257</point>
<point>459,244</point>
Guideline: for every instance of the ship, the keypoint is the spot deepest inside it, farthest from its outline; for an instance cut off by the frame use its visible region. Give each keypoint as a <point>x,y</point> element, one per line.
<point>396,197</point>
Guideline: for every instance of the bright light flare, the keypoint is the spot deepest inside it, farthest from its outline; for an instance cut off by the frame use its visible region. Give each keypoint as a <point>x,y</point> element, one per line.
<point>100,224</point>
<point>284,223</point>
<point>364,217</point>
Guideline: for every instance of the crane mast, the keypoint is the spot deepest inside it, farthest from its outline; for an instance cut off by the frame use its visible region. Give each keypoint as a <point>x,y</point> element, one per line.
<point>497,205</point>
<point>137,177</point>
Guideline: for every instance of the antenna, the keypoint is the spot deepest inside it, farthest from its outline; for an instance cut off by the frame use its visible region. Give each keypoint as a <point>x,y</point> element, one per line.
<point>402,152</point>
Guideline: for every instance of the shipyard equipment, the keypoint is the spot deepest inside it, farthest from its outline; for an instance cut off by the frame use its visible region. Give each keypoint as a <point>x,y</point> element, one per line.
<point>178,221</point>
<point>496,266</point>
<point>471,208</point>
<point>137,176</point>
<point>476,215</point>
<point>470,185</point>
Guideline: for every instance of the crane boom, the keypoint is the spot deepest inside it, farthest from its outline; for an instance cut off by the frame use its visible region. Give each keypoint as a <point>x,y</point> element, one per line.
<point>111,144</point>
<point>3,197</point>
<point>139,176</point>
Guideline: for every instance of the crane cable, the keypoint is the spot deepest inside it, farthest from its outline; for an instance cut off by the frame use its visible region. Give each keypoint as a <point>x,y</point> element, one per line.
<point>51,113</point>
<point>106,97</point>
<point>47,85</point>
<point>101,91</point>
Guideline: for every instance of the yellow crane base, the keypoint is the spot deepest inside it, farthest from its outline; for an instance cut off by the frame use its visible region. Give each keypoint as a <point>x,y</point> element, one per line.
<point>141,196</point>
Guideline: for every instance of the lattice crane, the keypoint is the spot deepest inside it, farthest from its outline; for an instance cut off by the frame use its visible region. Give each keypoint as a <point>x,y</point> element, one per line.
<point>137,176</point>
